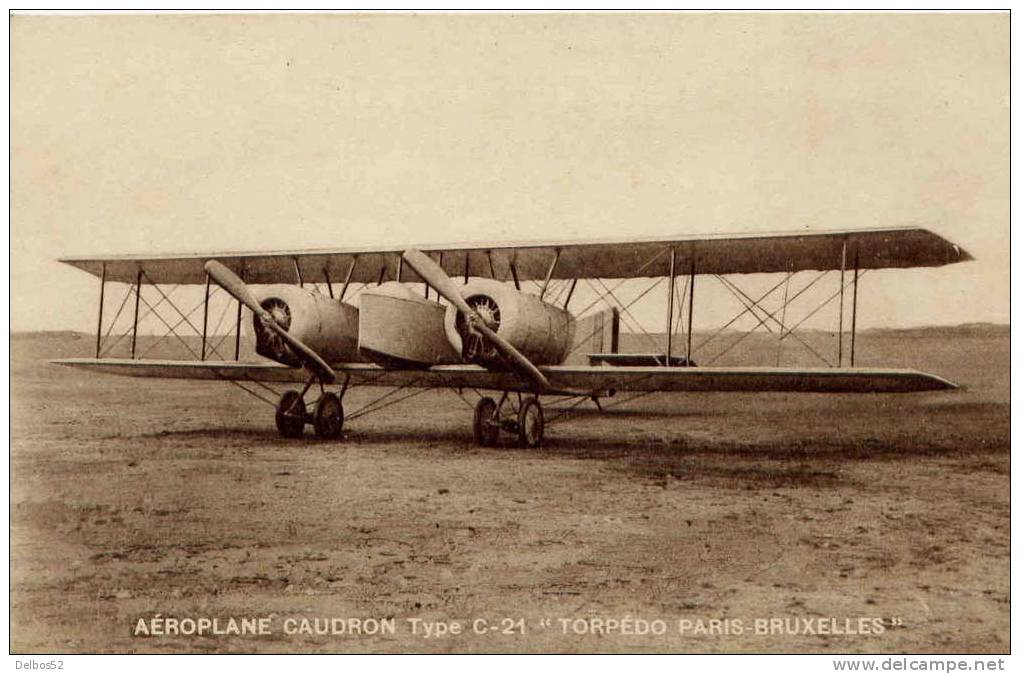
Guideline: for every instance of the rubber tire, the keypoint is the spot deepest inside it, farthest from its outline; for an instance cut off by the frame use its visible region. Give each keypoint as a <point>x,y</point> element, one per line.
<point>328,420</point>
<point>291,425</point>
<point>531,423</point>
<point>485,428</point>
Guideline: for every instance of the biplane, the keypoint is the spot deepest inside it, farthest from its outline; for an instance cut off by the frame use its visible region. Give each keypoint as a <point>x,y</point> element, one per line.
<point>485,318</point>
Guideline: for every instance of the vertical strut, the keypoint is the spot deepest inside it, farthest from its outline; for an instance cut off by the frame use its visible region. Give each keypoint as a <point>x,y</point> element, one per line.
<point>308,385</point>
<point>424,282</point>
<point>548,274</point>
<point>690,313</point>
<point>570,293</point>
<point>467,265</point>
<point>297,272</point>
<point>842,287</point>
<point>134,323</point>
<point>347,280</point>
<point>853,315</point>
<point>492,268</point>
<point>400,267</point>
<point>237,333</point>
<point>669,307</point>
<point>513,272</point>
<point>205,314</point>
<point>439,298</point>
<point>102,296</point>
<point>329,284</point>
<point>782,319</point>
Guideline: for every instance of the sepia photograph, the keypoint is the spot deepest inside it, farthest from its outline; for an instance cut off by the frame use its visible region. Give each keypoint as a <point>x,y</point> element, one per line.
<point>510,332</point>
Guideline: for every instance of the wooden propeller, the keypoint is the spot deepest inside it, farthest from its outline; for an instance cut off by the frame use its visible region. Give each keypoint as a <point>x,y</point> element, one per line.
<point>243,294</point>
<point>434,275</point>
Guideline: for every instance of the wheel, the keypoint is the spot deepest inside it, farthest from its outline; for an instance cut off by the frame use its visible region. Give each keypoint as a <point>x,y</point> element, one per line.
<point>328,420</point>
<point>531,423</point>
<point>291,414</point>
<point>486,425</point>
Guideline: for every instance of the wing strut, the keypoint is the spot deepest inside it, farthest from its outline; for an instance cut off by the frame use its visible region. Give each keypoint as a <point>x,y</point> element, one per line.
<point>205,314</point>
<point>102,293</point>
<point>690,314</point>
<point>237,333</point>
<point>853,314</point>
<point>669,306</point>
<point>842,292</point>
<point>329,282</point>
<point>134,324</point>
<point>347,279</point>
<point>548,275</point>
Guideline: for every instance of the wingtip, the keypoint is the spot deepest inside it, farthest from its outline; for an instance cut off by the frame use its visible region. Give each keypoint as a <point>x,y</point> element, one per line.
<point>941,383</point>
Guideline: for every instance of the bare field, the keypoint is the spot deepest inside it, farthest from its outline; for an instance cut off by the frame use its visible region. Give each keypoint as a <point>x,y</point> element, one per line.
<point>131,498</point>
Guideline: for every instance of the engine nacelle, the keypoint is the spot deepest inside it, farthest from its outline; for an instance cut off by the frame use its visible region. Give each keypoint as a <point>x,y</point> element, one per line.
<point>542,332</point>
<point>328,327</point>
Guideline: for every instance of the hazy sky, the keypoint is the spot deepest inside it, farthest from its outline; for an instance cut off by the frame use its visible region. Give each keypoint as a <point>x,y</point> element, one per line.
<point>205,133</point>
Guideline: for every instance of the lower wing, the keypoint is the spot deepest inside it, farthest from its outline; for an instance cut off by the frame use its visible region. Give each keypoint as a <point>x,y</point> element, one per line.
<point>598,380</point>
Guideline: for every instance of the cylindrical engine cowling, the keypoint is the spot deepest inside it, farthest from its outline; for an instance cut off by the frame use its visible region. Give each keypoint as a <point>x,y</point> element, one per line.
<point>328,327</point>
<point>540,331</point>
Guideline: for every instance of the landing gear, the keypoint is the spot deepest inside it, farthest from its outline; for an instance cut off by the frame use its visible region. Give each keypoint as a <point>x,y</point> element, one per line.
<point>527,422</point>
<point>486,423</point>
<point>291,415</point>
<point>530,423</point>
<point>328,419</point>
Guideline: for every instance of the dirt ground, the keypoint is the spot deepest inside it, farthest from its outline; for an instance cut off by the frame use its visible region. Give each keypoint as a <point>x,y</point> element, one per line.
<point>133,498</point>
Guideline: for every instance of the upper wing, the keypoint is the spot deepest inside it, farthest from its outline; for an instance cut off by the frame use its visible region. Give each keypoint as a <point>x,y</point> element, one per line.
<point>597,380</point>
<point>633,258</point>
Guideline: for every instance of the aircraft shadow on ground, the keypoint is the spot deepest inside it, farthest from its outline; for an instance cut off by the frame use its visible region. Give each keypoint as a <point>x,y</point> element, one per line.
<point>763,467</point>
<point>563,441</point>
<point>816,459</point>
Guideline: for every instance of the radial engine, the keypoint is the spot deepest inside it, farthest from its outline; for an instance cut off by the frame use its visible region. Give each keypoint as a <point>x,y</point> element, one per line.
<point>327,326</point>
<point>542,332</point>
